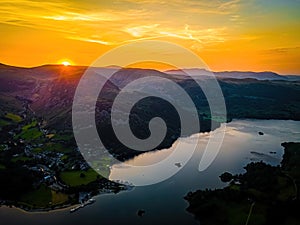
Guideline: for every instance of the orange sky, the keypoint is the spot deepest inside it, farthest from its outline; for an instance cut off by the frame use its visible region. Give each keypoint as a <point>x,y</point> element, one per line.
<point>227,34</point>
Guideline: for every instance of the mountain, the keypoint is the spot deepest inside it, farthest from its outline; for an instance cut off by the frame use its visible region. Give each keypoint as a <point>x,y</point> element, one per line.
<point>229,74</point>
<point>293,77</point>
<point>49,90</point>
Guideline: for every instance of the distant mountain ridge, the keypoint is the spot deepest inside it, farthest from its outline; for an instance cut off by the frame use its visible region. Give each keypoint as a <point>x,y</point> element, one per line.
<point>264,75</point>
<point>230,74</point>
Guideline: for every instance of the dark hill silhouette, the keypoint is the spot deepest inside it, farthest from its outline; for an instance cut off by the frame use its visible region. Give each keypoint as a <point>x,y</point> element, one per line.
<point>49,90</point>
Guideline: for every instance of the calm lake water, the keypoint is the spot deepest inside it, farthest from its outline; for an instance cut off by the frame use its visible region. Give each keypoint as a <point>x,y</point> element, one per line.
<point>163,202</point>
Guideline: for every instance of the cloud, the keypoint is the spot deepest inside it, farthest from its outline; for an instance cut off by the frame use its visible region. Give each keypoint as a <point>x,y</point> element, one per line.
<point>190,6</point>
<point>281,50</point>
<point>140,31</point>
<point>200,22</point>
<point>58,15</point>
<point>199,35</point>
<point>98,41</point>
<point>109,25</point>
<point>229,5</point>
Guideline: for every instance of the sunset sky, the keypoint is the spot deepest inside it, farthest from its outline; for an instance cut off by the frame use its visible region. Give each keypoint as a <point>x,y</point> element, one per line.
<point>257,35</point>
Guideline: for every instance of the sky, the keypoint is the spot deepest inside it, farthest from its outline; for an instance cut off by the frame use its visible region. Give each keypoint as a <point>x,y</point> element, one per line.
<point>246,35</point>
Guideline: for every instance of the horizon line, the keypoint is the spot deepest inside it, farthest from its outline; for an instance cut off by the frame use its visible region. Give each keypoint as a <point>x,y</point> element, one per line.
<point>165,70</point>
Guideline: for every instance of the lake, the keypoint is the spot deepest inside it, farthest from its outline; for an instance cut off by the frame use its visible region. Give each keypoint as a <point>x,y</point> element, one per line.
<point>163,202</point>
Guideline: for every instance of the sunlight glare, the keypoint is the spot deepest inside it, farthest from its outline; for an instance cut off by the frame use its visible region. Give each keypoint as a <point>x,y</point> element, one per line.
<point>66,63</point>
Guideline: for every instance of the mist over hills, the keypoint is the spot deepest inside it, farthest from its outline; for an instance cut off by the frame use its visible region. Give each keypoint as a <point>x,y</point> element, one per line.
<point>50,88</point>
<point>230,74</point>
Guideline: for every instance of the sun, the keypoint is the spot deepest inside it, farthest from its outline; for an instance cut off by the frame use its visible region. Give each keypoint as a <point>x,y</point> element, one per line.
<point>65,62</point>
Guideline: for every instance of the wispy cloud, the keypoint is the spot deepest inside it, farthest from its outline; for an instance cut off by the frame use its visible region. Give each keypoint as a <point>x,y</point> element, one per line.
<point>109,26</point>
<point>140,31</point>
<point>200,35</point>
<point>281,50</point>
<point>233,27</point>
<point>92,40</point>
<point>73,17</point>
<point>59,16</point>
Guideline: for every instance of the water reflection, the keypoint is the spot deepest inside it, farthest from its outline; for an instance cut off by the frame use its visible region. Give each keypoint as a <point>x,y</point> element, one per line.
<point>163,202</point>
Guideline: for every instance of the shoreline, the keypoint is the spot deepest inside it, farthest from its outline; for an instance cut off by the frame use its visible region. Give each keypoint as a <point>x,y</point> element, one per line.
<point>39,211</point>
<point>55,209</point>
<point>243,191</point>
<point>69,206</point>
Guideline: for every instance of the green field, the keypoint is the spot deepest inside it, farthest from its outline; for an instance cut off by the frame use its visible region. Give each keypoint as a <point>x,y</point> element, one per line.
<point>41,197</point>
<point>56,147</point>
<point>20,158</point>
<point>74,179</point>
<point>13,117</point>
<point>30,134</point>
<point>64,157</point>
<point>102,166</point>
<point>31,125</point>
<point>58,198</point>
<point>37,150</point>
<point>4,123</point>
<point>2,167</point>
<point>62,137</point>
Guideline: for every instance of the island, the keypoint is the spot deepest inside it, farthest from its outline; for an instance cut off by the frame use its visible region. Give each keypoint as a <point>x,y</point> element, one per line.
<point>264,194</point>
